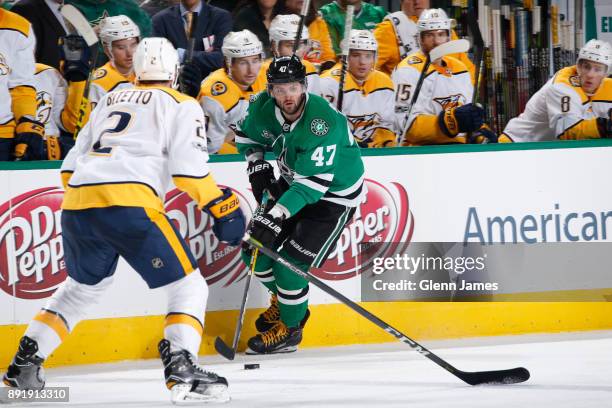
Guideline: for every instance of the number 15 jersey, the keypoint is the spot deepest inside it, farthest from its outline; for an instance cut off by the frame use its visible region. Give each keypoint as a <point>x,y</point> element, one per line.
<point>136,142</point>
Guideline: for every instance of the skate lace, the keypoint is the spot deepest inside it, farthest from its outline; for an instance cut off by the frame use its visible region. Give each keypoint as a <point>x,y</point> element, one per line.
<point>272,314</point>
<point>197,367</point>
<point>277,333</point>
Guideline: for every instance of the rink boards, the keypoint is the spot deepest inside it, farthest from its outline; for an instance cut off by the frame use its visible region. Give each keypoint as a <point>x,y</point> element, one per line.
<point>558,192</point>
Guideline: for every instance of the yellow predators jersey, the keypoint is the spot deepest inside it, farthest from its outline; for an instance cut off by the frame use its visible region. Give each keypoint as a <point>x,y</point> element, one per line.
<point>561,110</point>
<point>312,76</point>
<point>105,79</point>
<point>321,45</point>
<point>368,106</point>
<point>17,92</point>
<point>136,142</point>
<point>444,87</point>
<point>50,97</point>
<point>224,104</point>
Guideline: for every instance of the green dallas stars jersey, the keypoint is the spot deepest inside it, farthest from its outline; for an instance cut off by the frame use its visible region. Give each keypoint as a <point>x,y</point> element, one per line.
<point>316,154</point>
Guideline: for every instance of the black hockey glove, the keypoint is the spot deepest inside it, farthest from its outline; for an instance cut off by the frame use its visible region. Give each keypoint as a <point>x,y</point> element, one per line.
<point>604,125</point>
<point>29,140</point>
<point>265,228</point>
<point>190,79</point>
<point>75,58</point>
<point>261,177</point>
<point>464,118</point>
<point>230,222</point>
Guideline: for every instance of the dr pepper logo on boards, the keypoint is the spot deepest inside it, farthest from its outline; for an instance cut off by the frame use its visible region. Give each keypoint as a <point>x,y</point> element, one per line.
<point>385,216</point>
<point>31,251</point>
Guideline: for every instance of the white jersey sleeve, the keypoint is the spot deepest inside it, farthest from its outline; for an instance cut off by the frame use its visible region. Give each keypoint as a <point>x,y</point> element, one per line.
<point>216,124</point>
<point>328,89</point>
<point>187,147</point>
<point>22,66</point>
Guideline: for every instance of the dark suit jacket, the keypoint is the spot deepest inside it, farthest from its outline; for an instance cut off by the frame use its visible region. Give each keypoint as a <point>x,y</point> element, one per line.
<point>211,21</point>
<point>46,29</point>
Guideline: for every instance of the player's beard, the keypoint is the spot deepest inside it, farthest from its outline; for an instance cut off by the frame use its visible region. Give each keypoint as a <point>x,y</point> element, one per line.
<point>296,107</point>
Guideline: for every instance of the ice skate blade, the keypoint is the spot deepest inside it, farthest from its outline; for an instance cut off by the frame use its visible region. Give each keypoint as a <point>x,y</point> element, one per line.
<point>214,394</point>
<point>289,349</point>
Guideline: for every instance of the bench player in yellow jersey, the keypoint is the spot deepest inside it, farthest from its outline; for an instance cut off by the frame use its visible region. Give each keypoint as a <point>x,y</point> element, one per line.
<point>442,112</point>
<point>368,100</point>
<point>283,30</point>
<point>119,36</point>
<point>225,93</point>
<point>575,103</point>
<point>137,142</point>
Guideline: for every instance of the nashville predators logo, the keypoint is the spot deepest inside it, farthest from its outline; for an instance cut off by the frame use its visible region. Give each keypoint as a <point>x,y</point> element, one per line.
<point>451,101</point>
<point>218,88</point>
<point>363,126</point>
<point>414,60</point>
<point>43,106</point>
<point>4,68</point>
<point>574,80</point>
<point>100,73</point>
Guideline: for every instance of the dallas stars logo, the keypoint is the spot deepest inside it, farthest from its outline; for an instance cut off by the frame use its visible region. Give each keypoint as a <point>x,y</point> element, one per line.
<point>319,127</point>
<point>451,101</point>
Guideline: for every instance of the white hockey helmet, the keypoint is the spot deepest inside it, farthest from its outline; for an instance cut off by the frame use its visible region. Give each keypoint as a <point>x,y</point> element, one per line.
<point>597,51</point>
<point>362,40</point>
<point>434,19</point>
<point>284,27</point>
<point>117,28</point>
<point>156,59</point>
<point>237,44</point>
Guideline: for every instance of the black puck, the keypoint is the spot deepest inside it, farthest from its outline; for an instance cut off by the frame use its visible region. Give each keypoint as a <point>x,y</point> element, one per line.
<point>251,366</point>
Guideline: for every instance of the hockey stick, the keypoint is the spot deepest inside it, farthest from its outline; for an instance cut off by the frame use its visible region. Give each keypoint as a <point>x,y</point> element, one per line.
<point>348,25</point>
<point>478,56</point>
<point>81,25</point>
<point>451,47</point>
<point>298,35</point>
<point>511,376</point>
<point>222,347</point>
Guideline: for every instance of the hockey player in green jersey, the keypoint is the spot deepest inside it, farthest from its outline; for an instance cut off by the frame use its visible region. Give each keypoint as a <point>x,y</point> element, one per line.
<point>321,183</point>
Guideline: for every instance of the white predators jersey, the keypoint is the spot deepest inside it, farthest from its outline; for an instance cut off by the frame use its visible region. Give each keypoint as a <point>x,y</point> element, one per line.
<point>224,104</point>
<point>17,45</point>
<point>135,142</point>
<point>561,110</point>
<point>367,106</point>
<point>443,88</point>
<point>50,97</point>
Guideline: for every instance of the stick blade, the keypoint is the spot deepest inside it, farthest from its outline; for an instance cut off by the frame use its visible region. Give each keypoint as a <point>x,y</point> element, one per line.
<point>223,349</point>
<point>511,376</point>
<point>451,47</point>
<point>80,23</point>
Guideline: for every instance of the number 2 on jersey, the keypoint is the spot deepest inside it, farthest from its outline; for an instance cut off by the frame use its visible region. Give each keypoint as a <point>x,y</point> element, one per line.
<point>122,121</point>
<point>319,158</point>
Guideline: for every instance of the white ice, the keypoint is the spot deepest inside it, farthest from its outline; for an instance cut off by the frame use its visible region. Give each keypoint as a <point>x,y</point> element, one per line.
<point>567,370</point>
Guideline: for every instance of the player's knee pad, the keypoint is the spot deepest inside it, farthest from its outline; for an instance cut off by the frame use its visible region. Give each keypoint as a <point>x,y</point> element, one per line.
<point>188,295</point>
<point>73,298</point>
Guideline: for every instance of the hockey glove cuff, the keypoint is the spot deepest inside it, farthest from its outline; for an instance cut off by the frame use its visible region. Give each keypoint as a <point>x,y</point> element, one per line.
<point>464,118</point>
<point>29,141</point>
<point>229,221</point>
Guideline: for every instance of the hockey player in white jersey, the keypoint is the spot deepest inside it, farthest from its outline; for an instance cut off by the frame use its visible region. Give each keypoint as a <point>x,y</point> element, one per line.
<point>442,112</point>
<point>21,135</point>
<point>283,30</point>
<point>574,104</point>
<point>119,36</point>
<point>136,143</point>
<point>225,94</point>
<point>50,99</point>
<point>368,100</point>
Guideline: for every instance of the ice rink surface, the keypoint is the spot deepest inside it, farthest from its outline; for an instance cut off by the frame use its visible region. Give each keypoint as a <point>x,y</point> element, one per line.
<point>567,370</point>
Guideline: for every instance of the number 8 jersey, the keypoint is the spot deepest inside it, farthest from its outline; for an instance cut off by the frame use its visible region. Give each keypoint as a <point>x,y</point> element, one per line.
<point>136,142</point>
<point>561,110</point>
